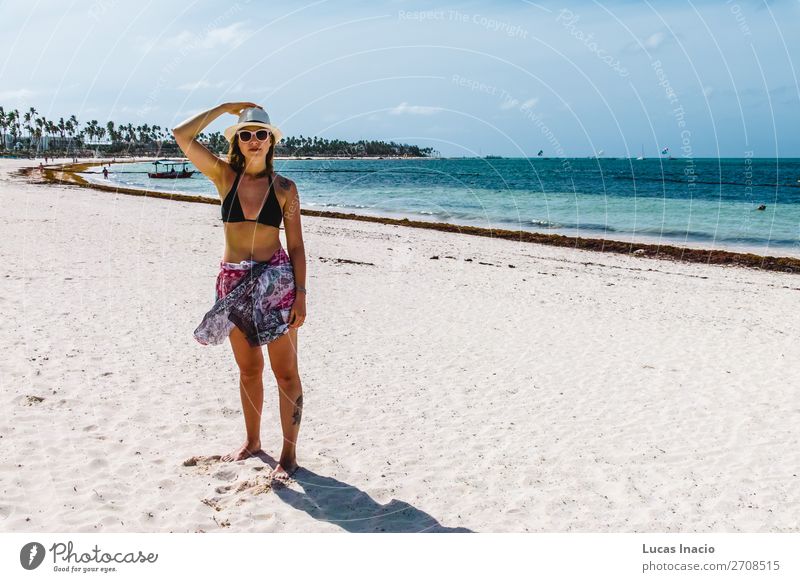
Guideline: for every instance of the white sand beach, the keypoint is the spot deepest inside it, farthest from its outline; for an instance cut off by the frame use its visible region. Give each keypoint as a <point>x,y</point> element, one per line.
<point>577,391</point>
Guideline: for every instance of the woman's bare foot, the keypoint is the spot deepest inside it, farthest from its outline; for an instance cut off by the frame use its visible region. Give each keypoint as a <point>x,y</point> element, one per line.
<point>245,451</point>
<point>283,472</point>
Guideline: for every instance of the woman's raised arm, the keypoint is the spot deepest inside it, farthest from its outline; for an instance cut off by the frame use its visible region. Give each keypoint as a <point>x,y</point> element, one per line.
<point>185,133</point>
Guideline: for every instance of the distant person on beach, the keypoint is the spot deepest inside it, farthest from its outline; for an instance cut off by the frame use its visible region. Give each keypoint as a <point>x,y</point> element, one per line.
<point>255,270</point>
<point>105,172</point>
<point>41,167</point>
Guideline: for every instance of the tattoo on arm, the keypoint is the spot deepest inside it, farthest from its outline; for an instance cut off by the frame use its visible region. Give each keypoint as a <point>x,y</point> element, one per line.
<point>298,410</point>
<point>285,182</point>
<point>294,205</point>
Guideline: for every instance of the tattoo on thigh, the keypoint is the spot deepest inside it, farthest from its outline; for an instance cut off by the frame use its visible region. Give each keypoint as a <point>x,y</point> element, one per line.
<point>298,410</point>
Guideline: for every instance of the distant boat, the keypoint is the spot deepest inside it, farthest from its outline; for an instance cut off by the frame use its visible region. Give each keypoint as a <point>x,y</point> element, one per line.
<point>170,172</point>
<point>642,156</point>
<point>492,157</point>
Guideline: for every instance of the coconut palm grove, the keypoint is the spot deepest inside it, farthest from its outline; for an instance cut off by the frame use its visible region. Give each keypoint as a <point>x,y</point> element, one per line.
<point>30,134</point>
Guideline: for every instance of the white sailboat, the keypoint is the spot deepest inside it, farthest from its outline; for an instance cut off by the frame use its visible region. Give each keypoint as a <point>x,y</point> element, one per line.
<point>642,156</point>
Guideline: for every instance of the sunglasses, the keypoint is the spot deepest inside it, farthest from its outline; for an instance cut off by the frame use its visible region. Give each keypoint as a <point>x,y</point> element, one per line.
<point>261,135</point>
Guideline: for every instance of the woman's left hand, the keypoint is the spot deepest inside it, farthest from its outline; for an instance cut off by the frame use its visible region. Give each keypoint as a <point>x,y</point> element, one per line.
<point>298,313</point>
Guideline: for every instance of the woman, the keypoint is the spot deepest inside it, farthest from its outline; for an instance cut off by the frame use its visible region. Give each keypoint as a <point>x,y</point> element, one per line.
<point>260,295</point>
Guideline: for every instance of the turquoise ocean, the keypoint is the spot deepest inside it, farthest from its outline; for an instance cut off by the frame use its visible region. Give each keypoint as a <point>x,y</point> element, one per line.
<point>703,203</point>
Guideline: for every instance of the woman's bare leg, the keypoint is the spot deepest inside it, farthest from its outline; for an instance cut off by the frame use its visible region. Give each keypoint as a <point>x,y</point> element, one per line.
<point>251,390</point>
<point>283,360</point>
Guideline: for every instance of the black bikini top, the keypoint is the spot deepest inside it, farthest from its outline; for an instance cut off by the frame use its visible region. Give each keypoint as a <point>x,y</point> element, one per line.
<point>271,213</point>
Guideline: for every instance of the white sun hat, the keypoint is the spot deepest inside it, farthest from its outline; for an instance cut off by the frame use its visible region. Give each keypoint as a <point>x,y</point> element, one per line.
<point>253,116</point>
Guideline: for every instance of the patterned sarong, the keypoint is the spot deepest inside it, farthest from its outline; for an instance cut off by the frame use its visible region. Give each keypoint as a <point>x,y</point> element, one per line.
<point>256,297</point>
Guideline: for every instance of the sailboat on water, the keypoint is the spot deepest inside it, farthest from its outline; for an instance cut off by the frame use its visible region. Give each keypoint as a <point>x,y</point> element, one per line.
<point>642,156</point>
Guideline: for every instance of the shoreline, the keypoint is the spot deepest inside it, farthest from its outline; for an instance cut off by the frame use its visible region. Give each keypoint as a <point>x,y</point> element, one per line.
<point>67,173</point>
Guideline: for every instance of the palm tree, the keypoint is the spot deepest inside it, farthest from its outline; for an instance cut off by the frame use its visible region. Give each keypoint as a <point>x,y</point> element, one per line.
<point>113,134</point>
<point>40,123</point>
<point>144,131</point>
<point>131,133</point>
<point>3,127</point>
<point>92,129</point>
<point>13,124</point>
<point>33,112</point>
<point>27,120</point>
<point>75,123</point>
<point>69,128</point>
<point>37,132</point>
<point>52,129</point>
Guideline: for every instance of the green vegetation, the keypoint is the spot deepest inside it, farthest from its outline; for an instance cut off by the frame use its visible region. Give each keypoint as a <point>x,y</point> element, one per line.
<point>30,134</point>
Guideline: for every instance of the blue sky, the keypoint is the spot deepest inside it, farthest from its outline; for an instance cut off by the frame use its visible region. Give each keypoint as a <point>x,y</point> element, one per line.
<point>469,78</point>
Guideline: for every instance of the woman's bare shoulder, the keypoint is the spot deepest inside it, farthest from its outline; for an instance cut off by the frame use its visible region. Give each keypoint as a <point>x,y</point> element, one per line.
<point>284,183</point>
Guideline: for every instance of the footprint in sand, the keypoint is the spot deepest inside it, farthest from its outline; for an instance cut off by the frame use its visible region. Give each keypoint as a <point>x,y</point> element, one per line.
<point>29,400</point>
<point>205,463</point>
<point>212,502</point>
<point>238,489</point>
<point>225,475</point>
<point>241,483</point>
<point>254,485</point>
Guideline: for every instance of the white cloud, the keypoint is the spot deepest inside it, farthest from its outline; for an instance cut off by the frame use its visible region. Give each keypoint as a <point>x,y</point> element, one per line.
<point>529,103</point>
<point>509,103</point>
<point>141,110</point>
<point>179,40</point>
<point>228,36</point>
<point>654,40</point>
<point>17,94</point>
<point>414,109</point>
<point>653,43</point>
<point>225,37</point>
<point>201,84</point>
<point>144,44</point>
